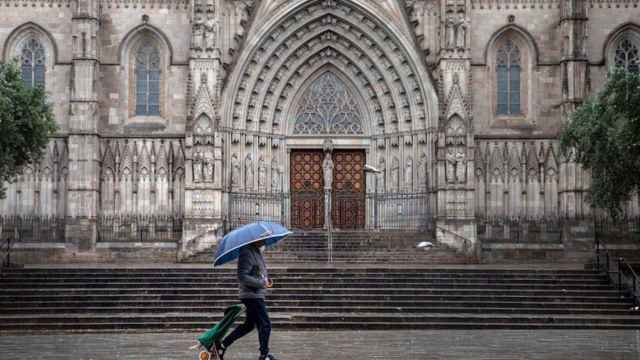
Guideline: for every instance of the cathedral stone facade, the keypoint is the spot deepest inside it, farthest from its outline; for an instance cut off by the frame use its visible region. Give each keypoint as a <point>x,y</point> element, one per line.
<point>199,115</point>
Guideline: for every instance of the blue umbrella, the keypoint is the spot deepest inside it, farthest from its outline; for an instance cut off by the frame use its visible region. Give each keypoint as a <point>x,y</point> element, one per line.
<point>229,247</point>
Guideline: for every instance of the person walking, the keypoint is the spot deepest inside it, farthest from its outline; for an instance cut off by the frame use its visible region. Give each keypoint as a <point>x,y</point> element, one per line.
<point>253,281</point>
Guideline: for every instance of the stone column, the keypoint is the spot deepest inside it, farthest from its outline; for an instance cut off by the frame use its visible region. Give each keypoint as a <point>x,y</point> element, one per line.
<point>83,183</point>
<point>327,171</point>
<point>203,223</point>
<point>574,180</point>
<point>455,221</point>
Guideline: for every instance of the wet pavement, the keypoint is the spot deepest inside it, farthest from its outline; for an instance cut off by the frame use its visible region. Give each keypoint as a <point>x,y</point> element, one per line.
<point>338,345</point>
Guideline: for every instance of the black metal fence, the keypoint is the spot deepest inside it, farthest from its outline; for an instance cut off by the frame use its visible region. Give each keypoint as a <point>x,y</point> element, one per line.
<point>245,208</point>
<point>624,228</point>
<point>139,228</point>
<point>403,211</point>
<point>33,228</point>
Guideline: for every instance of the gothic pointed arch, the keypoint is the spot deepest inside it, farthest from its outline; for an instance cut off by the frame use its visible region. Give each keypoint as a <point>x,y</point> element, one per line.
<point>311,34</point>
<point>622,48</point>
<point>327,104</point>
<point>35,50</point>
<point>511,56</point>
<point>24,32</point>
<point>145,57</point>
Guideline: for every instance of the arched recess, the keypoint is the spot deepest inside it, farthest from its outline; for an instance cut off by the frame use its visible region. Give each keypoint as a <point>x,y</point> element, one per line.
<point>19,38</point>
<point>139,38</point>
<point>385,64</point>
<point>27,31</point>
<point>629,32</point>
<point>513,39</point>
<point>335,98</point>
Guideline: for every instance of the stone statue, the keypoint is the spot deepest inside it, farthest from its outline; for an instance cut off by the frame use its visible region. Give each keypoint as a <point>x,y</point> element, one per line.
<point>422,172</point>
<point>275,177</point>
<point>450,172</point>
<point>235,171</point>
<point>408,175</point>
<point>198,33</point>
<point>262,175</point>
<point>197,168</point>
<point>461,31</point>
<point>327,168</point>
<point>210,32</point>
<point>395,175</point>
<point>450,26</point>
<point>248,173</point>
<point>382,167</point>
<point>461,169</point>
<point>208,167</point>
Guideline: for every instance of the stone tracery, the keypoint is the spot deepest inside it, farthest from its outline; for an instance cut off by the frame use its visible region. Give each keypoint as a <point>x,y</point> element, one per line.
<point>294,40</point>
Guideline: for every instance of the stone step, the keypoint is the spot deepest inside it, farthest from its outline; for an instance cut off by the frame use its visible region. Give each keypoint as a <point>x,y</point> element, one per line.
<point>231,280</point>
<point>369,270</point>
<point>320,304</point>
<point>316,290</point>
<point>97,299</point>
<point>71,286</point>
<point>444,309</point>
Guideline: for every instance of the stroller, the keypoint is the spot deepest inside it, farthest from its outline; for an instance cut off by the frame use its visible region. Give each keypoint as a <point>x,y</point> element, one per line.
<point>210,340</point>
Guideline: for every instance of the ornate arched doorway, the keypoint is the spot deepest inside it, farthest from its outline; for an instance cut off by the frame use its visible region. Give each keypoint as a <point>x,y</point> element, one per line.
<point>328,70</point>
<point>327,185</point>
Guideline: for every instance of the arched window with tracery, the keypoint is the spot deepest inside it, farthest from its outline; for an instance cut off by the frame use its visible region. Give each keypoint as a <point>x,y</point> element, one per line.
<point>147,74</point>
<point>508,70</point>
<point>32,60</point>
<point>626,54</point>
<point>328,107</point>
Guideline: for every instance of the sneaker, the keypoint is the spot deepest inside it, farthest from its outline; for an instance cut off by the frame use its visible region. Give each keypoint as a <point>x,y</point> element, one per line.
<point>267,357</point>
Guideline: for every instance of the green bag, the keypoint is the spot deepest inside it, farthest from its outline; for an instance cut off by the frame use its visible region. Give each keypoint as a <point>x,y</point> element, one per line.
<point>218,332</point>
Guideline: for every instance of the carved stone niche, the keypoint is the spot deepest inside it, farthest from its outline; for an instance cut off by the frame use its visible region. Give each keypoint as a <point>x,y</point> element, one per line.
<point>455,154</point>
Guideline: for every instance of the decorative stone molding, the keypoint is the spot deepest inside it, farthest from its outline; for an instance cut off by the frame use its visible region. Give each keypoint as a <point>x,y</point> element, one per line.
<point>515,4</point>
<point>316,36</point>
<point>146,4</point>
<point>142,176</point>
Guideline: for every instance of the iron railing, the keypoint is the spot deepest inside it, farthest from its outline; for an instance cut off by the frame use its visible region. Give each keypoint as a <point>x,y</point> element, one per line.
<point>403,211</point>
<point>33,228</point>
<point>5,250</point>
<point>139,228</point>
<point>245,208</point>
<point>622,274</point>
<point>623,228</point>
<point>628,280</point>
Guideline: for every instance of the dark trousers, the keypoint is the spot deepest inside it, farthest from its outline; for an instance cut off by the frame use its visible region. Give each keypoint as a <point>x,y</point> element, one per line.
<point>256,317</point>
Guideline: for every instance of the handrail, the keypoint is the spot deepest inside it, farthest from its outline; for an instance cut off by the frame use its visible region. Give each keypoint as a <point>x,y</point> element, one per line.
<point>615,276</point>
<point>634,287</point>
<point>467,243</point>
<point>6,249</point>
<point>598,245</point>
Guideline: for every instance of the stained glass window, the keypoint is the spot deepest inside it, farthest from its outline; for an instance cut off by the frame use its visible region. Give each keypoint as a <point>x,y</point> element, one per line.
<point>508,76</point>
<point>33,61</point>
<point>626,55</point>
<point>328,107</point>
<point>147,70</point>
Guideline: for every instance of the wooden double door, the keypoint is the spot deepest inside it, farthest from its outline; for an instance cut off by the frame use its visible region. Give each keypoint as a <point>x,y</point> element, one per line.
<point>308,189</point>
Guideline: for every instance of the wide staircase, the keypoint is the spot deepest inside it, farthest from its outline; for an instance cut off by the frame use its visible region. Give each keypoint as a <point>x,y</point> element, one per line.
<point>354,247</point>
<point>355,297</point>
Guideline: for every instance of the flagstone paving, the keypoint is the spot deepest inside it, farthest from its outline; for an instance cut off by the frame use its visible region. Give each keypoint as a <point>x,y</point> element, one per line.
<point>339,345</point>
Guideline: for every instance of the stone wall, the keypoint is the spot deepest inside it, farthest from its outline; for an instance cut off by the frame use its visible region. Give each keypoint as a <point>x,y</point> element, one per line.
<point>234,74</point>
